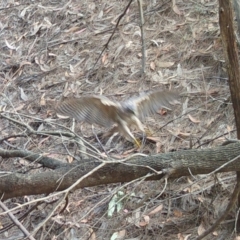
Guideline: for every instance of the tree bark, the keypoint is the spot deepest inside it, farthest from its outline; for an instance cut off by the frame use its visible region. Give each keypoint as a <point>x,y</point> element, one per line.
<point>174,165</point>
<point>232,62</point>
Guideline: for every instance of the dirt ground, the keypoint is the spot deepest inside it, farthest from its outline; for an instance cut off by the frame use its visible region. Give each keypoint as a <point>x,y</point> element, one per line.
<point>51,49</point>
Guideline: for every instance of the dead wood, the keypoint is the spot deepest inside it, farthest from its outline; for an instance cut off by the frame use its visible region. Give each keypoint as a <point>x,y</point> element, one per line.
<point>174,165</point>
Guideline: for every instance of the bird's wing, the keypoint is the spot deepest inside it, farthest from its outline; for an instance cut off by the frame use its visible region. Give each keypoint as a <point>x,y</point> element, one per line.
<point>149,103</point>
<point>92,109</point>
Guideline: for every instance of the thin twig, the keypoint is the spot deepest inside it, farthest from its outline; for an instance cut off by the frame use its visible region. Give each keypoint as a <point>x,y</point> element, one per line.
<point>142,36</point>
<point>36,229</point>
<point>96,136</point>
<point>70,134</point>
<point>106,45</point>
<point>17,223</point>
<point>5,228</point>
<point>231,204</point>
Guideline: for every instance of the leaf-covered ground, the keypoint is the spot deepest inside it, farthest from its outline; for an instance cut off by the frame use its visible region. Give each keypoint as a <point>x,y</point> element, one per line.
<point>51,49</point>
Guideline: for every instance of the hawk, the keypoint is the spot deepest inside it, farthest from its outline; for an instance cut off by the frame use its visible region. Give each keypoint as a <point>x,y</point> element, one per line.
<point>105,112</point>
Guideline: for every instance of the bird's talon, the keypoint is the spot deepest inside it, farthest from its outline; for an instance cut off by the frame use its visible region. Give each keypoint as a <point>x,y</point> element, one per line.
<point>137,143</point>
<point>148,133</point>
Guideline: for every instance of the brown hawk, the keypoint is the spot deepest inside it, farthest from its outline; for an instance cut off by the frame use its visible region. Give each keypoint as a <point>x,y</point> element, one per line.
<point>105,112</point>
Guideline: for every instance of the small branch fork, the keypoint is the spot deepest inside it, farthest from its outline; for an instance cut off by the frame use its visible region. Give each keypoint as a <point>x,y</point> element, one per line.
<point>17,223</point>
<point>142,34</point>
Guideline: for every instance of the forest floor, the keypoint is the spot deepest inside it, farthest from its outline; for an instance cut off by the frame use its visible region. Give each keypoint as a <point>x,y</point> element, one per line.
<point>51,49</point>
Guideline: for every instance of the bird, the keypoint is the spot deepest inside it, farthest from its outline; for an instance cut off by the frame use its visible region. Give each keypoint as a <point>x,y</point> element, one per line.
<point>98,109</point>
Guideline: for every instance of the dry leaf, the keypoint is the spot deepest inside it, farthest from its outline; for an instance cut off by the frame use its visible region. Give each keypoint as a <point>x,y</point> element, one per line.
<point>19,107</point>
<point>122,233</point>
<point>113,156</point>
<point>62,117</point>
<point>100,15</point>
<point>104,155</point>
<point>128,152</point>
<point>42,141</point>
<point>177,213</point>
<point>118,235</point>
<point>215,233</point>
<point>134,219</point>
<point>11,139</point>
<point>154,139</point>
<point>210,121</point>
<point>105,59</point>
<point>152,66</point>
<point>24,97</point>
<point>44,67</point>
<point>109,9</point>
<point>187,190</point>
<point>36,59</point>
<point>23,12</point>
<point>213,91</point>
<point>52,54</point>
<point>40,128</point>
<point>192,19</point>
<point>118,51</point>
<point>36,28</point>
<point>175,8</point>
<point>179,70</point>
<point>72,29</point>
<point>84,221</point>
<point>201,229</point>
<point>80,31</point>
<point>128,44</point>
<point>158,147</point>
<point>187,236</point>
<point>23,162</point>
<point>156,210</point>
<point>194,120</point>
<point>168,47</point>
<point>189,180</point>
<point>182,134</point>
<point>25,63</point>
<point>229,128</point>
<point>165,64</point>
<point>162,112</point>
<point>71,68</point>
<point>93,234</point>
<point>145,222</point>
<point>132,81</point>
<point>180,236</point>
<point>43,100</point>
<point>9,45</point>
<point>3,108</point>
<point>69,159</point>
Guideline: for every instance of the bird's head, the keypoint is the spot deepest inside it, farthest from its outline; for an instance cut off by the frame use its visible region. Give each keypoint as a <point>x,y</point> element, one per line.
<point>128,109</point>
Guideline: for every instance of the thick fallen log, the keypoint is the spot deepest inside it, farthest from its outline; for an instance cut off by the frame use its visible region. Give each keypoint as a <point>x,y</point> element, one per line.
<point>173,165</point>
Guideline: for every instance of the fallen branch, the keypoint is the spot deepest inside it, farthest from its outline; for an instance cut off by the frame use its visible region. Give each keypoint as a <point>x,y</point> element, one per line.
<point>173,165</point>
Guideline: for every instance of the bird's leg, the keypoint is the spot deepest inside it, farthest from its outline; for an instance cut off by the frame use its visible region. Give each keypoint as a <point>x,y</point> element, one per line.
<point>138,123</point>
<point>125,131</point>
<point>140,127</point>
<point>137,143</point>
